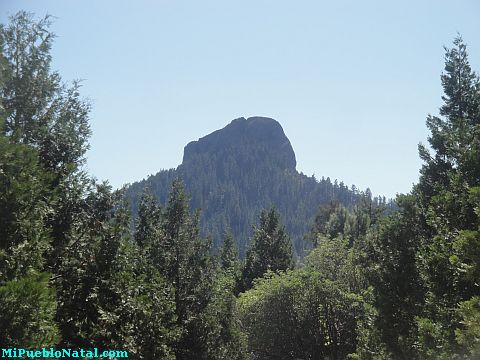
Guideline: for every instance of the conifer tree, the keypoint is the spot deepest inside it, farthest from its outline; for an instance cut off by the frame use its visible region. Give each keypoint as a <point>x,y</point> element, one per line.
<point>27,300</point>
<point>446,191</point>
<point>229,253</point>
<point>270,248</point>
<point>424,255</point>
<point>188,266</point>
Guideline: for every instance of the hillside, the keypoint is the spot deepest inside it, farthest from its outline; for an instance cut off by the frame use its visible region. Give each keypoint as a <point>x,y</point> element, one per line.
<point>233,173</point>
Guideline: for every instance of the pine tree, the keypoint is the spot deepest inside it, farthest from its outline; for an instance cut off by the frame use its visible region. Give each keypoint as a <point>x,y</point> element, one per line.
<point>423,257</point>
<point>392,250</point>
<point>454,135</point>
<point>27,300</point>
<point>445,191</point>
<point>229,253</point>
<point>188,266</point>
<point>28,311</point>
<point>270,248</point>
<point>40,110</point>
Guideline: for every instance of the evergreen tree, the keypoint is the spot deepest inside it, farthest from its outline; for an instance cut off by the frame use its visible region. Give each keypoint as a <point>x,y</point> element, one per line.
<point>270,248</point>
<point>28,310</point>
<point>24,208</point>
<point>54,218</point>
<point>229,253</point>
<point>40,110</point>
<point>27,301</point>
<point>423,258</point>
<point>397,287</point>
<point>446,193</point>
<point>44,113</point>
<point>149,221</point>
<point>188,266</point>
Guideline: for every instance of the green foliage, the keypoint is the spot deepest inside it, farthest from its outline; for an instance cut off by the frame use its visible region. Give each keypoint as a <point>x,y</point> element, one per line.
<point>230,264</point>
<point>299,314</point>
<point>468,335</point>
<point>396,280</point>
<point>229,253</point>
<point>23,210</point>
<point>161,296</point>
<point>334,219</point>
<point>27,301</point>
<point>447,196</point>
<point>28,310</point>
<point>336,261</point>
<point>148,226</point>
<point>140,312</point>
<point>55,217</point>
<point>40,110</point>
<point>226,340</point>
<point>111,295</point>
<point>369,337</point>
<point>270,248</point>
<point>432,340</point>
<point>309,313</point>
<point>203,296</point>
<point>423,259</point>
<point>190,268</point>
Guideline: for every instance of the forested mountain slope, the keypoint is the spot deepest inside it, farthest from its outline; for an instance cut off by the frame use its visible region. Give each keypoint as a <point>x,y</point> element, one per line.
<point>233,173</point>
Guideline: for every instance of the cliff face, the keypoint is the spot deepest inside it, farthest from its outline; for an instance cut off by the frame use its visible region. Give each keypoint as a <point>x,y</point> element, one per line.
<point>261,135</point>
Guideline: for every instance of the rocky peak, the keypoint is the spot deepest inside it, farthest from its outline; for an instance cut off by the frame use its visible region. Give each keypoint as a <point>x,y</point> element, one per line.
<point>257,134</point>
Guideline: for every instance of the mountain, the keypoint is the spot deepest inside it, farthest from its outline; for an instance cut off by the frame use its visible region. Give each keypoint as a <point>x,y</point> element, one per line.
<point>263,135</point>
<point>235,172</point>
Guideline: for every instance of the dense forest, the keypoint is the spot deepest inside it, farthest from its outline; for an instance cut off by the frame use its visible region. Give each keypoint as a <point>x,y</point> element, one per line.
<point>234,173</point>
<point>77,270</point>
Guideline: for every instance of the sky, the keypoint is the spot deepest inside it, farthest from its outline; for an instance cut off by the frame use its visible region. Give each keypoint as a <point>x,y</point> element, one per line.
<point>351,82</point>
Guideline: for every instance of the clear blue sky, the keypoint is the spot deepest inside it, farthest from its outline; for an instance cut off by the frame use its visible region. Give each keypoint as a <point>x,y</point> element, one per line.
<point>351,82</point>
